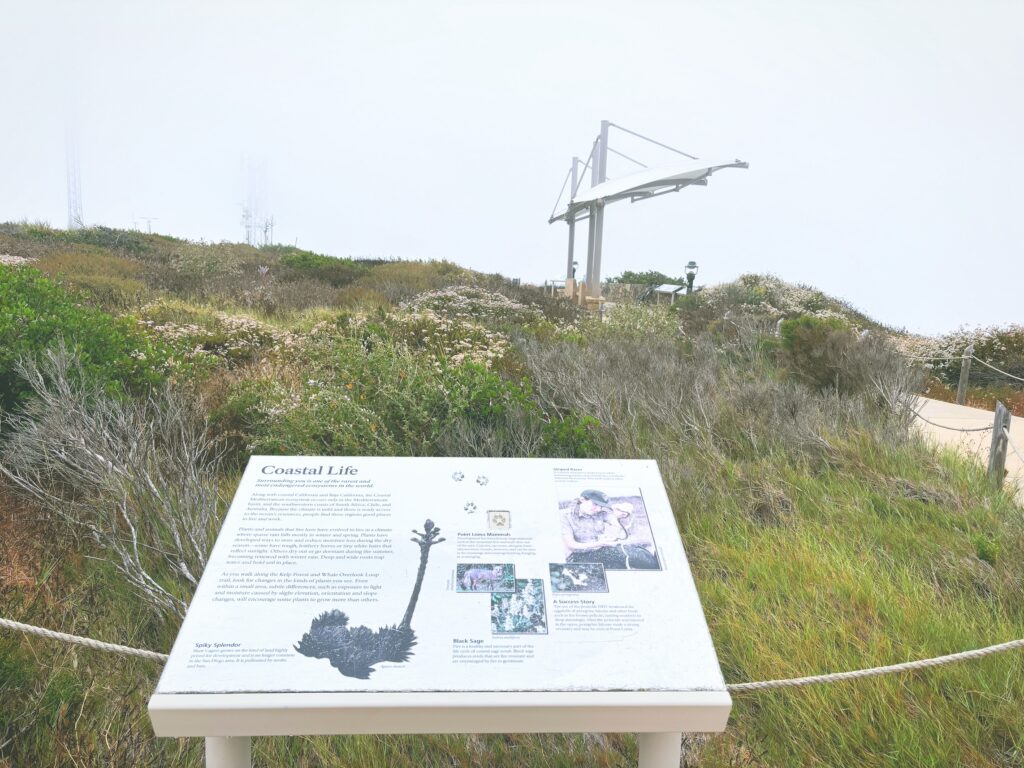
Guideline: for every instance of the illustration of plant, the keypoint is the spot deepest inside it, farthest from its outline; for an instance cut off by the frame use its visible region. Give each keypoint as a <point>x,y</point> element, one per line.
<point>354,651</point>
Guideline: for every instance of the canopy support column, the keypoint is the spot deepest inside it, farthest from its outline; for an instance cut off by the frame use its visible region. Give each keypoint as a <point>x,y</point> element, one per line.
<point>591,241</point>
<point>599,176</point>
<point>571,219</point>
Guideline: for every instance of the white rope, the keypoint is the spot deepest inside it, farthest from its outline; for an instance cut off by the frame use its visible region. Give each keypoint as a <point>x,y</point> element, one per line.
<point>952,429</point>
<point>77,640</point>
<point>911,357</point>
<point>835,677</point>
<point>793,682</point>
<point>1009,441</point>
<point>997,370</point>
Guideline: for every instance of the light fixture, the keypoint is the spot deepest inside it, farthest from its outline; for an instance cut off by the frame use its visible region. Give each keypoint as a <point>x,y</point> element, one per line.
<point>691,273</point>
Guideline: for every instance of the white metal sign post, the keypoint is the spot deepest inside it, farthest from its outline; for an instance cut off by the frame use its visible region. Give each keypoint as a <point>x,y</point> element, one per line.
<point>361,595</point>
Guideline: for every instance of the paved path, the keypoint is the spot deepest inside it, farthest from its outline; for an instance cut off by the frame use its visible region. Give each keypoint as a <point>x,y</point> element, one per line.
<point>975,444</point>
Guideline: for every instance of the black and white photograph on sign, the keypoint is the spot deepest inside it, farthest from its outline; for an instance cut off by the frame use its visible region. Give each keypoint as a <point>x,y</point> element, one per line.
<point>485,577</point>
<point>354,651</point>
<point>612,530</point>
<point>577,577</point>
<point>521,613</point>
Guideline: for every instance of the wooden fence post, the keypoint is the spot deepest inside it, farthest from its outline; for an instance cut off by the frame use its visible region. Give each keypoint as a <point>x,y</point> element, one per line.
<point>965,372</point>
<point>997,452</point>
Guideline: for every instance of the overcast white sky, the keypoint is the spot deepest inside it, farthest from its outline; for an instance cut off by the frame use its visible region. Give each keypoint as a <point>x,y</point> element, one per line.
<point>884,138</point>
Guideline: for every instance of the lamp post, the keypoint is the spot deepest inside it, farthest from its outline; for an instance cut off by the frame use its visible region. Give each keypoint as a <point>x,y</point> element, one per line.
<point>691,273</point>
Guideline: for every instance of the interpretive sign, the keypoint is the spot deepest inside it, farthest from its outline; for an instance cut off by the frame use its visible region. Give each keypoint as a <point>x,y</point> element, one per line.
<point>491,581</point>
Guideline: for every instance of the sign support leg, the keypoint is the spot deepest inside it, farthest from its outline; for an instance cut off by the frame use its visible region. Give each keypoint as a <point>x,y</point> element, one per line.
<point>660,750</point>
<point>228,752</point>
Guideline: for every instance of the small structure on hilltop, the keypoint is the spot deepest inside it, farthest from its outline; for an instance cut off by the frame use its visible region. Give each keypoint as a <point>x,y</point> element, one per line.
<point>589,204</point>
<point>664,294</point>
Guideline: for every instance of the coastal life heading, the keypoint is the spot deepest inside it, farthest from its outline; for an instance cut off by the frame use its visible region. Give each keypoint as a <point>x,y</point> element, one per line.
<point>322,469</point>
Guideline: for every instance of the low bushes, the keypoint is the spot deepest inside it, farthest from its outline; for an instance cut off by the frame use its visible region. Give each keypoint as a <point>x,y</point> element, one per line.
<point>764,297</point>
<point>354,389</point>
<point>400,281</point>
<point>826,354</point>
<point>111,282</point>
<point>37,313</point>
<point>140,476</point>
<point>815,347</point>
<point>296,264</point>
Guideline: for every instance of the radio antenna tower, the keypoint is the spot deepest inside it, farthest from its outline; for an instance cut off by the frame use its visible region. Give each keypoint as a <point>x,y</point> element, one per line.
<point>75,218</point>
<point>256,219</point>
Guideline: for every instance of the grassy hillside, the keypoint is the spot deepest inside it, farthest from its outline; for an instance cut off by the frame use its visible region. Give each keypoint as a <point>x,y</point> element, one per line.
<point>823,534</point>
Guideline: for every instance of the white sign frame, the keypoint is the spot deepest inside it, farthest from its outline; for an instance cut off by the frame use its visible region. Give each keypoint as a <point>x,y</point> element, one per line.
<point>227,720</point>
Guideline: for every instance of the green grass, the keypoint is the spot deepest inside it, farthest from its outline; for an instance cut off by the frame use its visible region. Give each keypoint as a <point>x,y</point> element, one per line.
<point>860,547</point>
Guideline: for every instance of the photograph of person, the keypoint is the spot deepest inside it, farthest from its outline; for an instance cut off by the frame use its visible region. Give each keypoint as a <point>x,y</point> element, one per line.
<point>613,531</point>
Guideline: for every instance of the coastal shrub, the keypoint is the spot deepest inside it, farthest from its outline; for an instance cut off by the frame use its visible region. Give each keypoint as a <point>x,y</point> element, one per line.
<point>450,339</point>
<point>400,281</point>
<point>337,272</point>
<point>815,347</point>
<point>465,302</point>
<point>111,282</point>
<point>201,339</point>
<point>118,240</point>
<point>651,399</point>
<point>36,314</point>
<point>195,262</point>
<point>354,389</point>
<point>138,476</point>
<point>1001,346</point>
<point>637,321</point>
<point>766,297</point>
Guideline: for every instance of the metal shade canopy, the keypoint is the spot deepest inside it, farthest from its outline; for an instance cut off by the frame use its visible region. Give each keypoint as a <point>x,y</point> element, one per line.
<point>646,183</point>
<point>589,204</point>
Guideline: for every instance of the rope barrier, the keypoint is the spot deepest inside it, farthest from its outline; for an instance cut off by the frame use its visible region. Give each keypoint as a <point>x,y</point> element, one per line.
<point>997,370</point>
<point>793,682</point>
<point>796,682</point>
<point>952,429</point>
<point>1009,441</point>
<point>78,640</point>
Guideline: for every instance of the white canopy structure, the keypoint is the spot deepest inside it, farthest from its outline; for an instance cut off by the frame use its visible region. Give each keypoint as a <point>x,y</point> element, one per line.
<point>589,204</point>
<point>646,183</point>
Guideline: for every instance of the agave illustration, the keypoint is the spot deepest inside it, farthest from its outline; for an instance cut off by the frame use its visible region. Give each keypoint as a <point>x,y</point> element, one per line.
<point>354,650</point>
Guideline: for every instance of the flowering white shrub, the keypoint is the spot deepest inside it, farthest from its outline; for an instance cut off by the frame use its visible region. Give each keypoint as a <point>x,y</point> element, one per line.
<point>221,336</point>
<point>775,298</point>
<point>641,319</point>
<point>448,337</point>
<point>1002,346</point>
<point>467,302</point>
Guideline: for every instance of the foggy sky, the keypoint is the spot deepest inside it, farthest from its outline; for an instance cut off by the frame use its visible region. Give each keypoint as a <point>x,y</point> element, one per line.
<point>884,138</point>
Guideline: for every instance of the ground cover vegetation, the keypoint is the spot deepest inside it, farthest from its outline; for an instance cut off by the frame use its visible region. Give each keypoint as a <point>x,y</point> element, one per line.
<point>824,534</point>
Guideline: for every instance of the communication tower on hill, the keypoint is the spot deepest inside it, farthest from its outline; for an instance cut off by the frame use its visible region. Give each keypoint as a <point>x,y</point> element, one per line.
<point>74,179</point>
<point>257,221</point>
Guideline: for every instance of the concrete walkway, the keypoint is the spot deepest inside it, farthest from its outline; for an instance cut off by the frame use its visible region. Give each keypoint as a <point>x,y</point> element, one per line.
<point>975,444</point>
